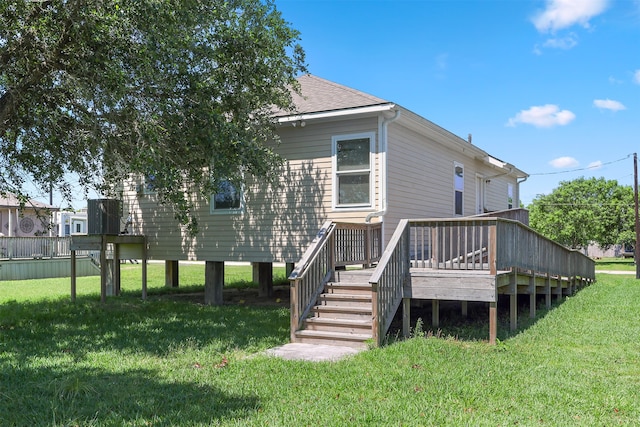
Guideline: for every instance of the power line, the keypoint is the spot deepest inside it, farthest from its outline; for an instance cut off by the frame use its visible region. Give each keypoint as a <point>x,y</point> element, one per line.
<point>582,169</point>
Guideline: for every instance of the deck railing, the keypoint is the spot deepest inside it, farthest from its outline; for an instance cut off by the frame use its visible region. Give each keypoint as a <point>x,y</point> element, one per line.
<point>388,279</point>
<point>492,244</point>
<point>336,244</point>
<point>358,243</point>
<point>34,247</point>
<point>314,270</point>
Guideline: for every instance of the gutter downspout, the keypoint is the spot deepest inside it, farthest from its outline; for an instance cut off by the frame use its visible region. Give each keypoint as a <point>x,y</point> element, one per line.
<point>520,182</point>
<point>382,147</point>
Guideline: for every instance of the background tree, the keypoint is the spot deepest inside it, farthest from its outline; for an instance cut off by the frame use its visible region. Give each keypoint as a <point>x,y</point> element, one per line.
<point>584,210</point>
<point>179,89</point>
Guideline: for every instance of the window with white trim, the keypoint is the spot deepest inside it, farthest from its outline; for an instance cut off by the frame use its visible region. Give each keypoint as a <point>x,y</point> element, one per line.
<point>353,170</point>
<point>458,188</point>
<point>228,199</point>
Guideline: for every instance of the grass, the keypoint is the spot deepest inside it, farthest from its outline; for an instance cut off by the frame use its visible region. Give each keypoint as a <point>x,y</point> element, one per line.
<point>191,277</point>
<point>167,361</point>
<point>616,264</point>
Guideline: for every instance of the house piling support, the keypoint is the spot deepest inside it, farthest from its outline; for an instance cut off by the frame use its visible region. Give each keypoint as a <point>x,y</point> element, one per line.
<point>265,279</point>
<point>171,270</point>
<point>213,282</point>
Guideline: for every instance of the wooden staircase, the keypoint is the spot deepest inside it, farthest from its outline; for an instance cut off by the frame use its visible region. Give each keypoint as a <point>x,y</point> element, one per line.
<point>343,313</point>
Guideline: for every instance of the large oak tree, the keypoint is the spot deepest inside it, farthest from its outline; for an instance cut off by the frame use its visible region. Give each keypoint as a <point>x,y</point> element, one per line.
<point>95,90</point>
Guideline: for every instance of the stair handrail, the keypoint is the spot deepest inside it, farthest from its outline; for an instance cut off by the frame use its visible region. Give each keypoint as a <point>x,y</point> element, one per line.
<point>388,280</point>
<point>314,270</point>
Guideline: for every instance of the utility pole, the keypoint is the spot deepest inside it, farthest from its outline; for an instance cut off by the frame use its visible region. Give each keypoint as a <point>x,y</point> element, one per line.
<point>636,255</point>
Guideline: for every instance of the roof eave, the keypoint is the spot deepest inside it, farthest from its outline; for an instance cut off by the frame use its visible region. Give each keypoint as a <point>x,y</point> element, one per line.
<point>369,109</point>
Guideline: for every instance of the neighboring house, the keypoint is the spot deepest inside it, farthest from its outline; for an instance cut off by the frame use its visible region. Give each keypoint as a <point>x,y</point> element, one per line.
<point>350,157</point>
<point>67,223</point>
<point>32,220</point>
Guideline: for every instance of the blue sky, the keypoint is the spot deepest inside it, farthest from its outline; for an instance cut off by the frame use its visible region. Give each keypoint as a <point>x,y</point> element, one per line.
<point>551,86</point>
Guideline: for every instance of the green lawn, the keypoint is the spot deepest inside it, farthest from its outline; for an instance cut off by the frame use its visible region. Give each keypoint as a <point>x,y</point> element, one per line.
<point>618,264</point>
<point>169,361</point>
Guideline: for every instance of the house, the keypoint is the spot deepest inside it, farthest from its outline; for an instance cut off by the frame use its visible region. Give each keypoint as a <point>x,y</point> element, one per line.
<point>67,223</point>
<point>32,219</point>
<point>350,157</point>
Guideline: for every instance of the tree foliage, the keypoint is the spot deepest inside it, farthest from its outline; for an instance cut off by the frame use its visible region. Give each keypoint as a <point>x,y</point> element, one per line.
<point>179,89</point>
<point>584,210</point>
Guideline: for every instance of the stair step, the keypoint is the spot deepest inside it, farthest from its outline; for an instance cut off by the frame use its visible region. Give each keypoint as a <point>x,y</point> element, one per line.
<point>341,312</point>
<point>350,300</point>
<point>350,326</point>
<point>352,289</point>
<point>332,338</point>
<point>353,276</point>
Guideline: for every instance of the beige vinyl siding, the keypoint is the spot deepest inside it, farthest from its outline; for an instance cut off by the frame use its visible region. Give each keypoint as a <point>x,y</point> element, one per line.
<point>278,222</point>
<point>420,174</point>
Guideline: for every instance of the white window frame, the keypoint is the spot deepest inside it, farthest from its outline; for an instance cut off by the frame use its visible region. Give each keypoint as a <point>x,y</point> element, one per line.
<point>227,211</point>
<point>371,170</point>
<point>458,190</point>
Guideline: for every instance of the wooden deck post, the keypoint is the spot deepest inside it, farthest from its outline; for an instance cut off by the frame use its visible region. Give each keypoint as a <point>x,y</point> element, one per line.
<point>435,313</point>
<point>213,282</point>
<point>171,273</point>
<point>116,269</point>
<point>464,306</point>
<point>103,270</point>
<point>295,314</point>
<point>547,290</point>
<point>558,289</point>
<point>532,295</point>
<point>73,276</point>
<point>145,257</point>
<point>493,322</point>
<point>406,317</point>
<point>513,301</point>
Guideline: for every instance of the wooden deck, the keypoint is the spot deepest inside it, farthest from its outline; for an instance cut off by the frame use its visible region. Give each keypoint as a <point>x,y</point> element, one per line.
<point>460,259</point>
<point>483,286</point>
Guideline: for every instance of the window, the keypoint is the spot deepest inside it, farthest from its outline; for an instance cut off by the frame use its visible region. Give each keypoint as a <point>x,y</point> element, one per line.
<point>458,186</point>
<point>228,199</point>
<point>510,196</point>
<point>352,158</point>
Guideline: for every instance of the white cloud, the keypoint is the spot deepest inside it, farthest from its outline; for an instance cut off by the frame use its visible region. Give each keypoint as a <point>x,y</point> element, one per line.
<point>564,162</point>
<point>543,116</point>
<point>565,43</point>
<point>615,81</point>
<point>595,165</point>
<point>608,104</point>
<point>636,77</point>
<point>561,14</point>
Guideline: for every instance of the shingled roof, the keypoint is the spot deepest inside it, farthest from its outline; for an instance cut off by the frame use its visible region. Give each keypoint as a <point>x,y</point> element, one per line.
<point>11,201</point>
<point>320,95</point>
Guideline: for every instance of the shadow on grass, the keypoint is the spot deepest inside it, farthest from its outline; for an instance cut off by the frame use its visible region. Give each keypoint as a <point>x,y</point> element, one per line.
<point>96,397</point>
<point>127,324</point>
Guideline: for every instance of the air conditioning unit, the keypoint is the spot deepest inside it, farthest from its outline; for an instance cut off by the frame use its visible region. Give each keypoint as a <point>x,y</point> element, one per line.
<point>103,216</point>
